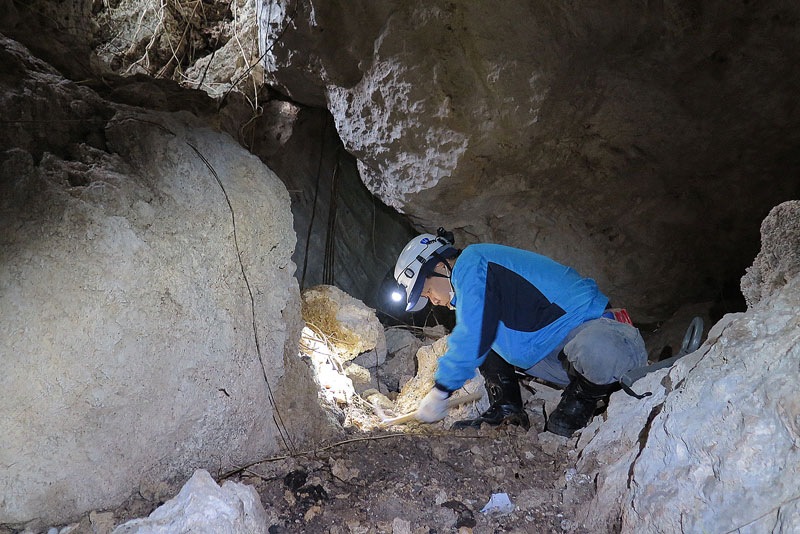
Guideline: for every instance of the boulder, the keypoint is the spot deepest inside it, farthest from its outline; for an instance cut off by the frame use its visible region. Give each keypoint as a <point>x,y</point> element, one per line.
<point>715,448</point>
<point>400,365</point>
<point>148,307</point>
<point>203,507</point>
<point>349,325</point>
<point>779,258</point>
<point>419,386</point>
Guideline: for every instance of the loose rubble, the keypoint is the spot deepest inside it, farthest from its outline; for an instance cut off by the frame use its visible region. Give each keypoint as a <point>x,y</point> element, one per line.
<point>203,507</point>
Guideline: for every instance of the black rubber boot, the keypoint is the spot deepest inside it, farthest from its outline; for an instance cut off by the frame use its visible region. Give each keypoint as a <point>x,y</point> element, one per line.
<point>505,399</point>
<point>577,406</point>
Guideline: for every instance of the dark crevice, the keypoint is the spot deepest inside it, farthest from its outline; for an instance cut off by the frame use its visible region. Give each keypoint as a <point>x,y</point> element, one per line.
<point>642,439</point>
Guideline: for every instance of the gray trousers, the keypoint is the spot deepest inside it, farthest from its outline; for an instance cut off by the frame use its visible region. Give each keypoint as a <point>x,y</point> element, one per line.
<point>601,350</point>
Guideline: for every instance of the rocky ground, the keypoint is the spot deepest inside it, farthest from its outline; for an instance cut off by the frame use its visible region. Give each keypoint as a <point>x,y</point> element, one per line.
<point>423,481</point>
<point>414,478</point>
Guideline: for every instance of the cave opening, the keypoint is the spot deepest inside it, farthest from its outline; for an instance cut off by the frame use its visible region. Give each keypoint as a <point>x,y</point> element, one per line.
<point>203,201</point>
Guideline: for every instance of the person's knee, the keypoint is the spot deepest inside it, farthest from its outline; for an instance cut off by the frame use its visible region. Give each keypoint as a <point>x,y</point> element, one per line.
<point>605,350</point>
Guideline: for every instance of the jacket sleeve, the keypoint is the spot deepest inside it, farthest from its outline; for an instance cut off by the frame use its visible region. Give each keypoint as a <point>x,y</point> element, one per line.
<point>477,318</point>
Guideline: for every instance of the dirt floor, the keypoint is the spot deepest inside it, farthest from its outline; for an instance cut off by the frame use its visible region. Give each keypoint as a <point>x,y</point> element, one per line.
<point>423,481</point>
<point>410,479</point>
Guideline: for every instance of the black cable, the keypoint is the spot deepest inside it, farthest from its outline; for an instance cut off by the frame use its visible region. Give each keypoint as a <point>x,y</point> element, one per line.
<point>279,424</point>
<point>314,204</point>
<point>330,240</point>
<point>282,426</point>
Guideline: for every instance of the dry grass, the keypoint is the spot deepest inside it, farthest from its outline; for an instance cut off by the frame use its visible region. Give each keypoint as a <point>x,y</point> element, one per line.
<point>321,313</point>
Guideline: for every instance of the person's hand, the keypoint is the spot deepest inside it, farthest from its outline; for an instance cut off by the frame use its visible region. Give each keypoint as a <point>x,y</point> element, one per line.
<point>433,407</point>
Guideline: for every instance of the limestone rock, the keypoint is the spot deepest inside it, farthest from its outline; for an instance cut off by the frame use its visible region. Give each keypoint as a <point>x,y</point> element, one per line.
<point>208,48</point>
<point>347,323</point>
<point>329,372</point>
<point>401,526</point>
<point>372,358</point>
<point>133,347</point>
<point>554,129</point>
<point>401,342</point>
<point>102,522</point>
<point>733,424</point>
<point>779,259</point>
<point>400,366</point>
<point>419,386</point>
<point>722,419</point>
<point>203,507</point>
<point>361,377</point>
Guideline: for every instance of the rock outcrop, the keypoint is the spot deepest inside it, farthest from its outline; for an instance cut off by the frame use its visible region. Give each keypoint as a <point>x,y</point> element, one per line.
<point>415,389</point>
<point>350,326</point>
<point>779,259</point>
<point>715,448</point>
<point>602,136</point>
<point>149,312</point>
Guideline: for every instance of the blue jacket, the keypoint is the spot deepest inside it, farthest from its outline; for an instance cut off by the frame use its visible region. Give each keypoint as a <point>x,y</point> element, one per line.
<point>519,303</point>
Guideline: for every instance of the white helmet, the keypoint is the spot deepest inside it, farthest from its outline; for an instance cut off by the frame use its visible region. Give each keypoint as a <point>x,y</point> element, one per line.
<point>417,260</point>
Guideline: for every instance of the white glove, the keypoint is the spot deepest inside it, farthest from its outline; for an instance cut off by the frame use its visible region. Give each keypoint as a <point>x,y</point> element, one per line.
<point>433,407</point>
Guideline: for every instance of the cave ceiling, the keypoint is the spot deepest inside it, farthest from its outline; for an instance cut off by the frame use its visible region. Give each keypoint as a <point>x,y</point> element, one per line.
<point>639,143</point>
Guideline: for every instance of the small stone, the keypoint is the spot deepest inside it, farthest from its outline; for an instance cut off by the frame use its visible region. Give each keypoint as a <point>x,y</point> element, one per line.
<point>401,526</point>
<point>376,398</point>
<point>311,513</point>
<point>550,442</point>
<point>340,470</point>
<point>440,452</point>
<point>570,474</point>
<point>102,522</point>
<point>356,527</point>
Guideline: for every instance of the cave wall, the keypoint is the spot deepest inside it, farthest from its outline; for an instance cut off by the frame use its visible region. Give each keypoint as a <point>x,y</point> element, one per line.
<point>301,145</point>
<point>640,143</point>
<point>124,51</point>
<point>714,449</point>
<point>144,332</point>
